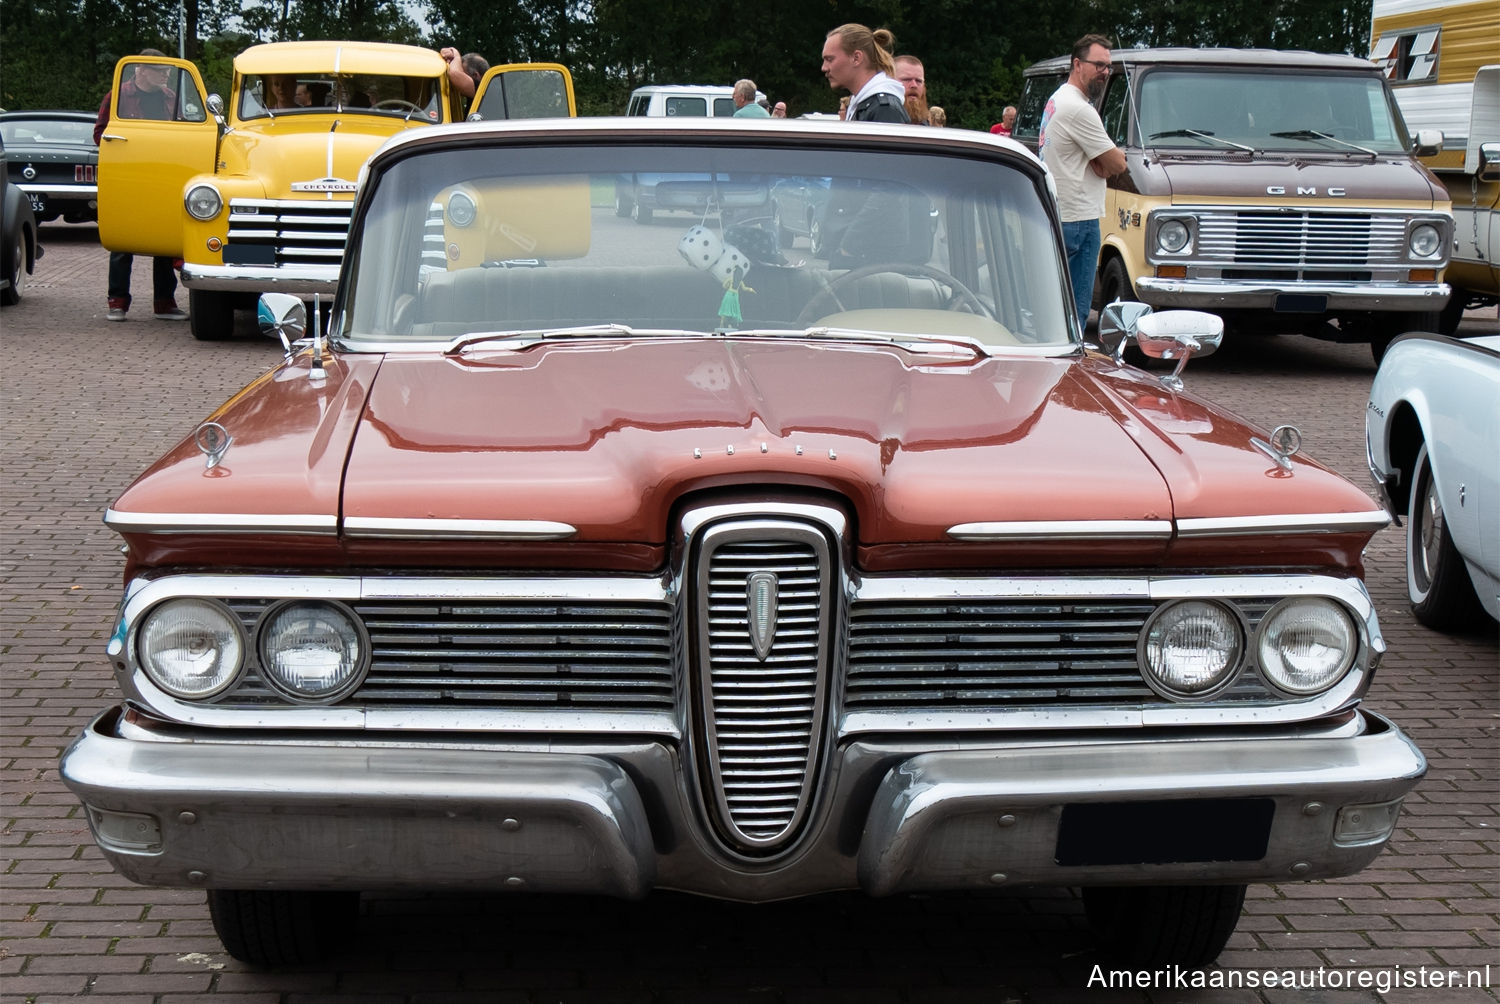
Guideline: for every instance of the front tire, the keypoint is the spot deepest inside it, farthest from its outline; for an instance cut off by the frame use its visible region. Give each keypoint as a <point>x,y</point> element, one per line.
<point>276,928</point>
<point>1150,927</point>
<point>1437,583</point>
<point>1114,283</point>
<point>11,295</point>
<point>211,315</point>
<point>640,213</point>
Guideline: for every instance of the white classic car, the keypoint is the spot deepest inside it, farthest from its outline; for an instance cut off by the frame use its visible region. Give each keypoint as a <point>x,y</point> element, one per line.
<point>1432,431</point>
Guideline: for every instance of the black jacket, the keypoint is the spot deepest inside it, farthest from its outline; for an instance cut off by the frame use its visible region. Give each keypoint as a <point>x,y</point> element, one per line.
<point>879,107</point>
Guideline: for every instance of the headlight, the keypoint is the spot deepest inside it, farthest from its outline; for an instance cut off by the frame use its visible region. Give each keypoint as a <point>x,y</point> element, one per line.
<point>312,651</point>
<point>1173,236</point>
<point>190,648</point>
<point>461,209</point>
<point>1191,649</point>
<point>1424,241</point>
<point>203,202</point>
<point>1306,645</point>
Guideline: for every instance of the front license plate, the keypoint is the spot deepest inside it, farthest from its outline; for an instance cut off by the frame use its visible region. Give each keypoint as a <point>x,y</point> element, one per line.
<point>1301,303</point>
<point>1159,833</point>
<point>38,203</point>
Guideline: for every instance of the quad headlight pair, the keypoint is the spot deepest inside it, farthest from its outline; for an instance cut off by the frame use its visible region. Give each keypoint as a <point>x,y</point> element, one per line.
<point>309,651</point>
<point>1193,649</point>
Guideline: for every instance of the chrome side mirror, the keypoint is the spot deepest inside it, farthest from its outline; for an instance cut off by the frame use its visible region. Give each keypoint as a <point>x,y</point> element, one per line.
<point>1489,162</point>
<point>283,316</point>
<point>216,109</point>
<point>1117,322</point>
<point>1428,143</point>
<point>1180,335</point>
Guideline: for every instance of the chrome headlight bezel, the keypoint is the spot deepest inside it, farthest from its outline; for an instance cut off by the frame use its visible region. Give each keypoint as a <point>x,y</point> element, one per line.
<point>1174,236</point>
<point>149,661</point>
<point>266,636</point>
<point>1269,654</point>
<point>1426,232</point>
<point>1223,678</point>
<point>203,202</point>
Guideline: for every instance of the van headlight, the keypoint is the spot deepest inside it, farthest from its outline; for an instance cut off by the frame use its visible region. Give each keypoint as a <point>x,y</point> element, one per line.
<point>1425,241</point>
<point>313,652</point>
<point>1191,649</point>
<point>190,648</point>
<point>203,202</point>
<point>1173,236</point>
<point>1306,645</point>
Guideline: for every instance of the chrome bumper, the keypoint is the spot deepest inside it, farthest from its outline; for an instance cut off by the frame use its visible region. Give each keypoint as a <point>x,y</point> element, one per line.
<point>299,279</point>
<point>175,806</point>
<point>1202,294</point>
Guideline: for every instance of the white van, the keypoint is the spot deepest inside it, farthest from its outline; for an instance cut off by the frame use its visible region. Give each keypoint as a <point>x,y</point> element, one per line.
<point>689,100</point>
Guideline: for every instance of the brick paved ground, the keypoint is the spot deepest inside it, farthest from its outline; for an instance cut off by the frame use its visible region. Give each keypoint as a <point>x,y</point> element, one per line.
<point>88,404</point>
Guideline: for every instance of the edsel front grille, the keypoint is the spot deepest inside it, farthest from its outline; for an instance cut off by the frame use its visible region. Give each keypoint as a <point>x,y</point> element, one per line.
<point>296,231</point>
<point>1300,239</point>
<point>994,656</point>
<point>764,607</point>
<point>514,655</point>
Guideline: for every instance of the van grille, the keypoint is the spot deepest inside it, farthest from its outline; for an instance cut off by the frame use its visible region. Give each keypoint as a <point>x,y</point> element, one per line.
<point>1300,239</point>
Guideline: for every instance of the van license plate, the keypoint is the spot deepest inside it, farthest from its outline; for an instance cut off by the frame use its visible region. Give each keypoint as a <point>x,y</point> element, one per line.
<point>1301,303</point>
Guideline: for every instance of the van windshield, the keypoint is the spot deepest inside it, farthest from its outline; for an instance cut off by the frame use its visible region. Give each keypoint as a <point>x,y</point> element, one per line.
<point>1302,112</point>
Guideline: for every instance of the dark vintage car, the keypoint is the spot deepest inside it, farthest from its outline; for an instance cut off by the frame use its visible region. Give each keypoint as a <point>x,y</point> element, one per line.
<point>53,160</point>
<point>587,557</point>
<point>19,247</point>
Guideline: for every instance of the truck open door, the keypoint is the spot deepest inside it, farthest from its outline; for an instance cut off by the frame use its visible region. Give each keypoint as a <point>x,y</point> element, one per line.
<point>524,91</point>
<point>157,137</point>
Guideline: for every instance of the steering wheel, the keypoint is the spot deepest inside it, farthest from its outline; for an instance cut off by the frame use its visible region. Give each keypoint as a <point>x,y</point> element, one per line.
<point>398,103</point>
<point>961,296</point>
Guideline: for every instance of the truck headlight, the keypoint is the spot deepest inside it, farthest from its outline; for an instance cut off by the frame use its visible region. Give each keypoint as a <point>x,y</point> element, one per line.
<point>203,202</point>
<point>1306,645</point>
<point>313,651</point>
<point>190,648</point>
<point>1191,649</point>
<point>1173,236</point>
<point>1425,241</point>
<point>461,209</point>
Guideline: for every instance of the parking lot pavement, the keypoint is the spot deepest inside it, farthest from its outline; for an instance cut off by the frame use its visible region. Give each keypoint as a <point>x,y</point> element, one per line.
<point>86,405</point>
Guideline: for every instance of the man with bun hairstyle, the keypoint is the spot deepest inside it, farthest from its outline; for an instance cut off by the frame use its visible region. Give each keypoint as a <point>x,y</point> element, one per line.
<point>858,60</point>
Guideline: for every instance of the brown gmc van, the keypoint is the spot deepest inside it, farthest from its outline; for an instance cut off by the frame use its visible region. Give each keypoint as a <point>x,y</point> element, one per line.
<point>1278,189</point>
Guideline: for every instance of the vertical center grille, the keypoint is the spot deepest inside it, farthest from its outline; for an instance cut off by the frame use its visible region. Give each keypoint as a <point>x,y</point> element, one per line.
<point>764,605</point>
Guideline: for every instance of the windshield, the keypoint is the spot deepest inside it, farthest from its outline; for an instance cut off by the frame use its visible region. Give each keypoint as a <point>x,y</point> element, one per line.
<point>416,98</point>
<point>69,132</point>
<point>461,241</point>
<point>1301,112</point>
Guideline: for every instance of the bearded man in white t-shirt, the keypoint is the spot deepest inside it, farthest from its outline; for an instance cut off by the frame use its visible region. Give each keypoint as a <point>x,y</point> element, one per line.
<point>1080,155</point>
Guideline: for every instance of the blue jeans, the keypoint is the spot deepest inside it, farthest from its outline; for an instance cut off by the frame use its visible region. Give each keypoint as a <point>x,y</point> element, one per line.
<point>1081,239</point>
<point>163,278</point>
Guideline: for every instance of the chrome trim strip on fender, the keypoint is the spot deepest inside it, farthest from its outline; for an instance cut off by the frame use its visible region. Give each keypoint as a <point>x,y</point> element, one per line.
<point>1081,529</point>
<point>1242,526</point>
<point>456,529</point>
<point>181,522</point>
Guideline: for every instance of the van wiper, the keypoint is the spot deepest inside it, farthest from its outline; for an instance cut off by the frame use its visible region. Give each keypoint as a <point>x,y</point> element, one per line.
<point>1200,134</point>
<point>1314,134</point>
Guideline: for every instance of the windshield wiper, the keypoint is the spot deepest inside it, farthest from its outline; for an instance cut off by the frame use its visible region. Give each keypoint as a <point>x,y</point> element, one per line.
<point>913,342</point>
<point>533,336</point>
<point>1200,134</point>
<point>1310,134</point>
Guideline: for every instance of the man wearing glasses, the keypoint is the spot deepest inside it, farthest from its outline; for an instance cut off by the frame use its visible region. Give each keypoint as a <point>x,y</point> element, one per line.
<point>1080,155</point>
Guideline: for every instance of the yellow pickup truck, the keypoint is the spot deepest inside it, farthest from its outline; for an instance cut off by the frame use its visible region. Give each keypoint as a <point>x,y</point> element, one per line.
<point>254,194</point>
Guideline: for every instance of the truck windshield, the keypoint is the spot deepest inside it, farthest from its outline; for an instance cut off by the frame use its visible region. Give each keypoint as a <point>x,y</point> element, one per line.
<point>272,94</point>
<point>1304,112</point>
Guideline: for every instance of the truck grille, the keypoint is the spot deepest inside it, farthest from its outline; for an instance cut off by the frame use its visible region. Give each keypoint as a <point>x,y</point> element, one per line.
<point>515,655</point>
<point>1300,239</point>
<point>763,706</point>
<point>289,232</point>
<point>999,656</point>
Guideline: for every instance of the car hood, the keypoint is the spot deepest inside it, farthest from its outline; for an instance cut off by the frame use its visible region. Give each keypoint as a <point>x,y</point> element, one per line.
<point>306,148</point>
<point>1355,178</point>
<point>609,438</point>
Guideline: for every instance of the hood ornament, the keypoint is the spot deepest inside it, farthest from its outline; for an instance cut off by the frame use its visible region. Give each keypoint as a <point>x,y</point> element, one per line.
<point>1285,442</point>
<point>213,442</point>
<point>760,601</point>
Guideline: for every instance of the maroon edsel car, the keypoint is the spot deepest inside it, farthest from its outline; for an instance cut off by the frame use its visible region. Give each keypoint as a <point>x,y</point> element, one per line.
<point>595,557</point>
